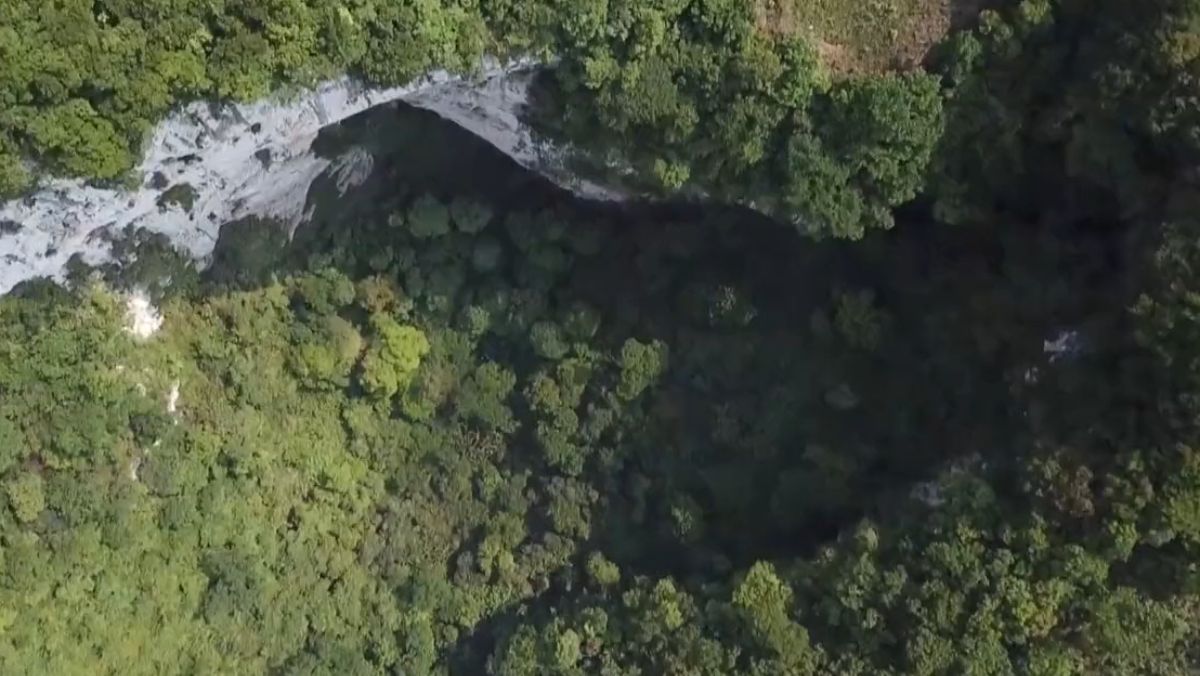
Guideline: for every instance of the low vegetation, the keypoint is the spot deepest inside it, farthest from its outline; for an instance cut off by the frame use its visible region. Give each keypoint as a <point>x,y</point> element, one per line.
<point>856,37</point>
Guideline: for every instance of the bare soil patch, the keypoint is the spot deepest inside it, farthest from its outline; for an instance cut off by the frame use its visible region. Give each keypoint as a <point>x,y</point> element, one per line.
<point>868,36</point>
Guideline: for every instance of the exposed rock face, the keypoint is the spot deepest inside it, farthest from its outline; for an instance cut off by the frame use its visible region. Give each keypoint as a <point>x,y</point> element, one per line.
<point>142,319</point>
<point>491,109</point>
<point>253,160</point>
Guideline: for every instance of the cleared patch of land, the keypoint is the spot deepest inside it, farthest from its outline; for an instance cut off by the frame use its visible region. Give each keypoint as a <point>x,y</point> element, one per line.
<point>863,36</point>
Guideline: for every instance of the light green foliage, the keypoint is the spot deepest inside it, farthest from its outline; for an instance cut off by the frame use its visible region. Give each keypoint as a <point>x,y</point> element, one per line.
<point>544,395</point>
<point>475,321</point>
<point>268,508</point>
<point>184,506</point>
<point>602,571</point>
<point>554,437</point>
<point>26,496</point>
<point>1135,633</point>
<point>764,602</point>
<point>78,141</point>
<point>11,445</point>
<point>411,39</point>
<point>448,363</point>
<point>328,353</point>
<point>573,376</point>
<point>653,626</point>
<point>13,176</point>
<point>641,365</point>
<point>670,176</point>
<point>547,340</point>
<point>393,356</point>
<point>566,649</point>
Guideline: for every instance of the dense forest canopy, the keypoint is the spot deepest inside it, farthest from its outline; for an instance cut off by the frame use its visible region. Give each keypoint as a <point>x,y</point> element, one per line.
<point>464,423</point>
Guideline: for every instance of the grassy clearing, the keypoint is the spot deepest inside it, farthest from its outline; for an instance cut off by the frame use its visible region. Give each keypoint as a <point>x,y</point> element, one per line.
<point>859,36</point>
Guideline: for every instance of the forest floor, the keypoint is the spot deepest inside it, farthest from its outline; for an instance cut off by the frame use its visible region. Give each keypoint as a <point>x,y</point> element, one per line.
<point>869,36</point>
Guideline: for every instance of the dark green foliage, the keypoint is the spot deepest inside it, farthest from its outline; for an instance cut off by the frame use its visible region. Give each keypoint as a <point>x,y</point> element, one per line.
<point>181,195</point>
<point>882,131</point>
<point>470,217</point>
<point>428,218</point>
<point>246,251</point>
<point>1068,105</point>
<point>483,397</point>
<point>702,100</point>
